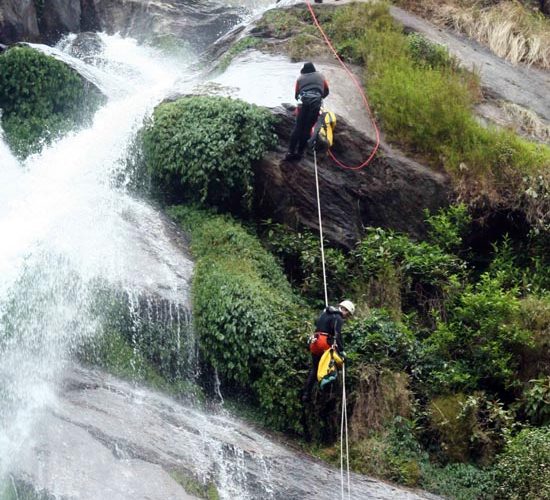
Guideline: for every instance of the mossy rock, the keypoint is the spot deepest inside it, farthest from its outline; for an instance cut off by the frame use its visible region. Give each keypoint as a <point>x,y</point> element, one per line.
<point>41,98</point>
<point>201,149</point>
<point>453,428</point>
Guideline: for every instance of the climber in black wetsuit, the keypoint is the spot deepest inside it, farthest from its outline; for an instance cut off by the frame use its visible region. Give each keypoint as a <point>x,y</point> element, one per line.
<point>328,333</point>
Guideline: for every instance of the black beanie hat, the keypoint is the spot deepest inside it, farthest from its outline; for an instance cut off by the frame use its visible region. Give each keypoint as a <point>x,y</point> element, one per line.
<point>308,68</point>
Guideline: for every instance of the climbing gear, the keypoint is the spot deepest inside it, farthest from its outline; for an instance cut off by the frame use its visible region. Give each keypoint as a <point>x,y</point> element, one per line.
<point>328,365</point>
<point>359,88</point>
<point>322,135</point>
<point>348,305</point>
<point>311,98</point>
<point>318,343</point>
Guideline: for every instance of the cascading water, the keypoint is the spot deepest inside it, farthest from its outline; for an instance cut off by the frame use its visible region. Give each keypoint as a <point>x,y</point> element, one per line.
<point>64,226</point>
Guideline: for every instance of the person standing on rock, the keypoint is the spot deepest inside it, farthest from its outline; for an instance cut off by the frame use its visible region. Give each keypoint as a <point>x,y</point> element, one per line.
<point>328,333</point>
<point>311,89</point>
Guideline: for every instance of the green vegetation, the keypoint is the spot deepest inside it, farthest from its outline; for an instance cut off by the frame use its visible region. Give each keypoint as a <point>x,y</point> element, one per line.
<point>195,487</point>
<point>246,315</point>
<point>248,42</point>
<point>424,103</point>
<point>201,149</point>
<point>522,470</point>
<point>41,98</point>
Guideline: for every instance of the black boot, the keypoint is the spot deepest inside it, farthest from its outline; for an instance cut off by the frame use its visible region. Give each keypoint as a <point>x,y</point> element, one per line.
<point>290,156</point>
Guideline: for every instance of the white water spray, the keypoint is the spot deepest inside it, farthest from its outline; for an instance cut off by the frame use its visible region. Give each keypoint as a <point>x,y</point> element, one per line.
<point>64,226</point>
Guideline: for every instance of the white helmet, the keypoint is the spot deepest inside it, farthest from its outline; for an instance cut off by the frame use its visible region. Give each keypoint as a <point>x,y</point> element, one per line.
<point>348,305</point>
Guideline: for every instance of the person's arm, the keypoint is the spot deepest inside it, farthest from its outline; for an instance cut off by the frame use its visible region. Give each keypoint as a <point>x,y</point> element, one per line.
<point>296,90</point>
<point>325,88</point>
<point>338,322</point>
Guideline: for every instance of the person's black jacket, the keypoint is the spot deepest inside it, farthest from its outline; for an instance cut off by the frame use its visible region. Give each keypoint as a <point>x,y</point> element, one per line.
<point>311,80</point>
<point>330,321</point>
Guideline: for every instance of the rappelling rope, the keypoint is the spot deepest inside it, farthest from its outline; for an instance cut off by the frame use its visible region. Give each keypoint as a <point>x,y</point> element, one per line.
<point>320,227</point>
<point>344,431</point>
<point>344,422</point>
<point>361,91</point>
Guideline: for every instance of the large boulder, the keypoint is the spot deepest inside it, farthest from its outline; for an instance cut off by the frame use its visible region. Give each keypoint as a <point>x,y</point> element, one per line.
<point>393,191</point>
<point>18,21</point>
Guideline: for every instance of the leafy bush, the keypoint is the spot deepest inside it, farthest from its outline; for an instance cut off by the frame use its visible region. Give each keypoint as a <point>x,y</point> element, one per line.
<point>537,401</point>
<point>380,341</point>
<point>458,481</point>
<point>447,227</point>
<point>347,28</point>
<point>205,146</point>
<point>300,254</point>
<point>41,98</point>
<point>249,322</point>
<point>522,470</point>
<point>479,345</point>
<point>429,54</point>
<point>421,274</point>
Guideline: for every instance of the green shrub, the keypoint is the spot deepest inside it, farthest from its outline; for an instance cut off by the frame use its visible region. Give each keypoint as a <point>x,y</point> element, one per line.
<point>41,98</point>
<point>522,471</point>
<point>537,401</point>
<point>404,273</point>
<point>252,328</point>
<point>447,227</point>
<point>300,254</point>
<point>480,344</point>
<point>348,30</point>
<point>380,341</point>
<point>429,54</point>
<point>458,481</point>
<point>205,147</point>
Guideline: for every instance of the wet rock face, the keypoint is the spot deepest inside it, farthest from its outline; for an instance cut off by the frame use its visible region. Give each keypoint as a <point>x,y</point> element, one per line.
<point>198,23</point>
<point>86,46</point>
<point>392,191</point>
<point>18,21</point>
<point>58,17</point>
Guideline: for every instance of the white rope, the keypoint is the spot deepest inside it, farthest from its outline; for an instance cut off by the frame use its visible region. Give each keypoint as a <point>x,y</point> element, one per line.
<point>345,406</point>
<point>320,227</point>
<point>344,419</point>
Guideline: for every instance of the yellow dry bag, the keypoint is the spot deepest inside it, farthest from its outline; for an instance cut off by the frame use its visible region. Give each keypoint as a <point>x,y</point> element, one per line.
<point>328,364</point>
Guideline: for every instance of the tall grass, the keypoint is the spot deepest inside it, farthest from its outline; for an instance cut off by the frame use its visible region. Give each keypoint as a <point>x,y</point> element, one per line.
<point>426,106</point>
<point>508,28</point>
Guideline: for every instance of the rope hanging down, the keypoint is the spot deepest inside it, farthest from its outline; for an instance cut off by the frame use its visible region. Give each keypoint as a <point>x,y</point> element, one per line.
<point>361,91</point>
<point>344,422</point>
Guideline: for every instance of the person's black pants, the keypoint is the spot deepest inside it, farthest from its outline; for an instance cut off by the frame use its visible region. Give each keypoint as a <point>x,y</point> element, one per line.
<point>306,118</point>
<point>311,377</point>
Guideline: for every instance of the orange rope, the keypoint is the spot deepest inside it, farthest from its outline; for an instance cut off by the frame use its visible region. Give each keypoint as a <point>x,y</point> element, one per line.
<point>361,91</point>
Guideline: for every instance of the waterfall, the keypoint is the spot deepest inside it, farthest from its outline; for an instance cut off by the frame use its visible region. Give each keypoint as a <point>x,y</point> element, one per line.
<point>66,225</point>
